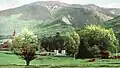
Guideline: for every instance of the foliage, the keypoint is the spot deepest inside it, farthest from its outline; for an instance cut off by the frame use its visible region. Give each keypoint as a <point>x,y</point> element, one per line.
<point>115,25</point>
<point>47,30</point>
<point>68,41</point>
<point>92,35</point>
<point>72,42</point>
<point>53,42</point>
<point>25,45</point>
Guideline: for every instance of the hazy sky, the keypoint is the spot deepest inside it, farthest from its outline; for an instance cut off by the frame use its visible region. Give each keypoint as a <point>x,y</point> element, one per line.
<point>5,4</point>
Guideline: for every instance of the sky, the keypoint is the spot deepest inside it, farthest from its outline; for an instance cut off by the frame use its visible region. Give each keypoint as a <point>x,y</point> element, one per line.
<point>6,4</point>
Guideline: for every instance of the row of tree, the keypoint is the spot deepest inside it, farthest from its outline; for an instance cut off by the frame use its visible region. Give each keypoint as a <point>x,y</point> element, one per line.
<point>86,42</point>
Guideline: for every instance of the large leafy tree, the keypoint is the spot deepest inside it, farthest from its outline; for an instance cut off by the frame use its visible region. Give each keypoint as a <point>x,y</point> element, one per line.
<point>115,25</point>
<point>24,45</point>
<point>72,41</point>
<point>95,37</point>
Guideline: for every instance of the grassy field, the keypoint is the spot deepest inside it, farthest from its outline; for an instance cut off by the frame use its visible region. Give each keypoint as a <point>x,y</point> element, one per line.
<point>8,60</point>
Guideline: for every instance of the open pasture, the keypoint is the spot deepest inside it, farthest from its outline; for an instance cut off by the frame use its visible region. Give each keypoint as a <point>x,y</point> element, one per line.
<point>9,60</point>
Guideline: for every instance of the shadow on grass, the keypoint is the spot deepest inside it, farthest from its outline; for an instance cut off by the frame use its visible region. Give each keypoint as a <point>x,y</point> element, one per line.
<point>113,63</point>
<point>31,67</point>
<point>23,66</point>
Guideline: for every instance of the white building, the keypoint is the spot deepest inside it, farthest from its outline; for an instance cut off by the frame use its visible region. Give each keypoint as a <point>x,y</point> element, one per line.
<point>59,53</point>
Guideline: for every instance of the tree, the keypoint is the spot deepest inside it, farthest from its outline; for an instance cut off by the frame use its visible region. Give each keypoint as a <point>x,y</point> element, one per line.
<point>115,25</point>
<point>92,35</point>
<point>69,41</point>
<point>72,41</point>
<point>53,42</point>
<point>25,45</point>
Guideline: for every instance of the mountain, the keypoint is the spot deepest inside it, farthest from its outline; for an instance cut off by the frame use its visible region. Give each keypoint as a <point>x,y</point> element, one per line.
<point>33,14</point>
<point>44,10</point>
<point>51,27</point>
<point>29,12</point>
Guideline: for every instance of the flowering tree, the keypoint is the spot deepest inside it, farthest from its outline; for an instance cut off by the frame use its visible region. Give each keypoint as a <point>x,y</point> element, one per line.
<point>25,45</point>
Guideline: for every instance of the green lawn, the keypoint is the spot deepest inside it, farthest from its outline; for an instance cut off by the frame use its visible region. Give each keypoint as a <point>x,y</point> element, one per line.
<point>13,61</point>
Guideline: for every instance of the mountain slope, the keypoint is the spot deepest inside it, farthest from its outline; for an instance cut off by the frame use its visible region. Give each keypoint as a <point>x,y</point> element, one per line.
<point>79,16</point>
<point>49,28</point>
<point>28,12</point>
<point>30,15</point>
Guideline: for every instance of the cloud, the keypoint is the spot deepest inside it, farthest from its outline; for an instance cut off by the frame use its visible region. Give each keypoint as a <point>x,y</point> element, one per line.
<point>113,5</point>
<point>7,6</point>
<point>4,4</point>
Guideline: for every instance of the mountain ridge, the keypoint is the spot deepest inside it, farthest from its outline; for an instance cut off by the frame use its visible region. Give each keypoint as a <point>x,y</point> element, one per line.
<point>76,14</point>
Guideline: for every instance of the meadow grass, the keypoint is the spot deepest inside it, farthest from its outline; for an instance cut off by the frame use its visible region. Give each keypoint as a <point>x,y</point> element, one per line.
<point>9,60</point>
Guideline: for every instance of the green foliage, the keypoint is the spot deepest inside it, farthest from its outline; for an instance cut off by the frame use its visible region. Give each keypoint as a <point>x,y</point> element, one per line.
<point>92,35</point>
<point>25,45</point>
<point>26,37</point>
<point>72,42</point>
<point>53,42</point>
<point>68,38</point>
<point>68,41</point>
<point>115,25</point>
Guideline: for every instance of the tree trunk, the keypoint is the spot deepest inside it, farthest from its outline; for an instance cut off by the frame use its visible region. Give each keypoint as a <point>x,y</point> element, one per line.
<point>27,62</point>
